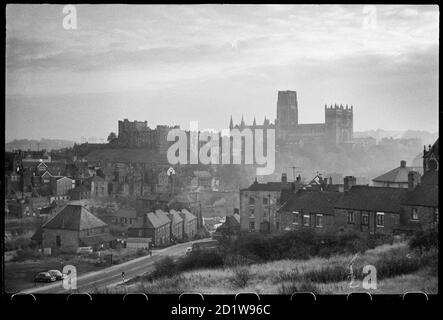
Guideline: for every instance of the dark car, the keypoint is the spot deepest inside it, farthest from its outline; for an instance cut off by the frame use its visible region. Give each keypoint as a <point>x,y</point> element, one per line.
<point>44,277</point>
<point>57,274</point>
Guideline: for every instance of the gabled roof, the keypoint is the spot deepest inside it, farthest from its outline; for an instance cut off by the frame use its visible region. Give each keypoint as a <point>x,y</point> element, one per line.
<point>175,215</point>
<point>312,201</point>
<point>187,216</point>
<point>422,195</point>
<point>74,217</point>
<point>269,186</point>
<point>368,198</point>
<point>97,179</point>
<point>154,221</point>
<point>162,216</point>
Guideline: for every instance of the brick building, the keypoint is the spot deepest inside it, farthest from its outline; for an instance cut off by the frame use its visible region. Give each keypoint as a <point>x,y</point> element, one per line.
<point>189,224</point>
<point>259,203</point>
<point>309,209</point>
<point>73,227</point>
<point>177,225</point>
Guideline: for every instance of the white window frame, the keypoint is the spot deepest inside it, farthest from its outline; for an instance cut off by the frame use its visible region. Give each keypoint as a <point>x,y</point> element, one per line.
<point>319,217</point>
<point>297,215</point>
<point>376,218</point>
<point>414,214</point>
<point>352,214</point>
<point>367,218</point>
<point>308,222</point>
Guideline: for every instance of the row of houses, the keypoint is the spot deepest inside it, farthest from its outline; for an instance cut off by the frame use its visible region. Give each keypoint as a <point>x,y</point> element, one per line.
<point>390,206</point>
<point>161,228</point>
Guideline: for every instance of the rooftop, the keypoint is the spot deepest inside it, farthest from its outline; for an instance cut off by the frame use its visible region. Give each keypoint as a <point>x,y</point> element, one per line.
<point>74,217</point>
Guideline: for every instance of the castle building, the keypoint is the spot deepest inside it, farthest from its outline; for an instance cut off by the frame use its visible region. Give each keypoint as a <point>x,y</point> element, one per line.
<point>337,128</point>
<point>137,134</point>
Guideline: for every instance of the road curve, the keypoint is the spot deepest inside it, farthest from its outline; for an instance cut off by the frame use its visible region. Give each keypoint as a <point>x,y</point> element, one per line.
<point>111,276</point>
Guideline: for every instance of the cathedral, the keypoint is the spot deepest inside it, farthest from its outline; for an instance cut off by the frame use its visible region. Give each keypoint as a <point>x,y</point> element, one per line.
<point>337,128</point>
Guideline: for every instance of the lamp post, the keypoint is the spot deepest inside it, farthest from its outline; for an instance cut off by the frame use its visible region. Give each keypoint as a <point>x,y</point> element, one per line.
<point>269,213</point>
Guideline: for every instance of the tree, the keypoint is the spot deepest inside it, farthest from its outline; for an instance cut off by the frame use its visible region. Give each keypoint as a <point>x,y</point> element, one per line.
<point>112,136</point>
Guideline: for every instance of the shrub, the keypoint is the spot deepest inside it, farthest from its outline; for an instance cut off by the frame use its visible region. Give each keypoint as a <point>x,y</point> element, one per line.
<point>26,254</point>
<point>327,274</point>
<point>200,259</point>
<point>298,287</point>
<point>397,262</point>
<point>424,240</point>
<point>164,267</point>
<point>241,277</point>
<point>141,252</point>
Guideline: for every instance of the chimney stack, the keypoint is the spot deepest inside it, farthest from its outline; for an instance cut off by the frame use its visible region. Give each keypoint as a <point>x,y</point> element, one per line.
<point>413,180</point>
<point>403,164</point>
<point>349,181</point>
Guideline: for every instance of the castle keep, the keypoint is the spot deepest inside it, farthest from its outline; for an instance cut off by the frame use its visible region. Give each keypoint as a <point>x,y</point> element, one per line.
<point>337,128</point>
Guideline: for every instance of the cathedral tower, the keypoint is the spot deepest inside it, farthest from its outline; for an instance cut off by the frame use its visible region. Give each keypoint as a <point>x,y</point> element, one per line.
<point>287,112</point>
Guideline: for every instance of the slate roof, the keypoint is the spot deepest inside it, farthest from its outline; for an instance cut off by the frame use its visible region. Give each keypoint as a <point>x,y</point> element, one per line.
<point>396,175</point>
<point>269,186</point>
<point>176,218</point>
<point>422,195</point>
<point>74,217</point>
<point>162,216</point>
<point>312,201</point>
<point>154,221</point>
<point>187,216</point>
<point>368,198</point>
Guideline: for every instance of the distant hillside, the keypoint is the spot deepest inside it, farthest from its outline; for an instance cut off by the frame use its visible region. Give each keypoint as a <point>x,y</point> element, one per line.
<point>425,136</point>
<point>47,144</point>
<point>125,155</point>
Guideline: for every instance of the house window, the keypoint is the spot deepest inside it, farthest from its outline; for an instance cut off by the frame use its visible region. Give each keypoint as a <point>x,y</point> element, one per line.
<point>265,201</point>
<point>319,220</point>
<point>251,226</point>
<point>277,225</point>
<point>380,219</point>
<point>251,200</point>
<point>252,213</point>
<point>365,219</point>
<point>140,233</point>
<point>436,215</point>
<point>295,217</point>
<point>414,215</point>
<point>306,220</point>
<point>351,217</point>
<point>58,241</point>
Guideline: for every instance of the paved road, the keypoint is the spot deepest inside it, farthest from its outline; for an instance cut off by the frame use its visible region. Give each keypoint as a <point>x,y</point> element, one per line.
<point>112,276</point>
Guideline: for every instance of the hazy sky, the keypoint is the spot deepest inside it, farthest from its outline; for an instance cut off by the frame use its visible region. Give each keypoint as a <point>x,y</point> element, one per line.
<point>175,64</point>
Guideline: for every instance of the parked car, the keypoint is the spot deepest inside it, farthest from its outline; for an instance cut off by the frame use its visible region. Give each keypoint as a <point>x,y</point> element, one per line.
<point>57,274</point>
<point>85,250</point>
<point>44,277</point>
<point>188,250</point>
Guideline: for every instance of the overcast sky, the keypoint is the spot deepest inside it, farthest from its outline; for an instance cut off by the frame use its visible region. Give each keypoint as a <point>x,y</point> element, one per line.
<point>175,64</point>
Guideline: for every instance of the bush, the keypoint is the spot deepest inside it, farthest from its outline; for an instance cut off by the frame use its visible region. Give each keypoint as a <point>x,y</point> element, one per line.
<point>298,287</point>
<point>397,262</point>
<point>141,252</point>
<point>200,259</point>
<point>327,274</point>
<point>241,277</point>
<point>165,267</point>
<point>26,254</point>
<point>424,240</point>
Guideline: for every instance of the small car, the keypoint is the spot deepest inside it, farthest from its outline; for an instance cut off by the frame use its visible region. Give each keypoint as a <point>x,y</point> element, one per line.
<point>57,274</point>
<point>82,250</point>
<point>188,250</point>
<point>44,277</point>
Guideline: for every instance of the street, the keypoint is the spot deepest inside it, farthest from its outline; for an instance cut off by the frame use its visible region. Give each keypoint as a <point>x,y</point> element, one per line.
<point>89,282</point>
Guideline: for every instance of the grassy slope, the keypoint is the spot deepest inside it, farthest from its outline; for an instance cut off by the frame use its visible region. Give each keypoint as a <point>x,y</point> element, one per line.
<point>278,278</point>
